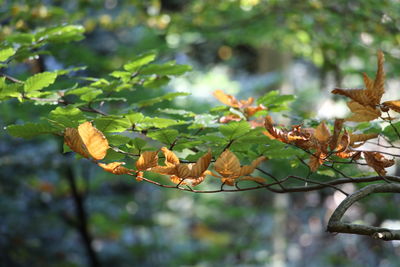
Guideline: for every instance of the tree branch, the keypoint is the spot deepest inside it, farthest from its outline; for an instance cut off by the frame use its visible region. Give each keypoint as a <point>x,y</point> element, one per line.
<point>335,225</point>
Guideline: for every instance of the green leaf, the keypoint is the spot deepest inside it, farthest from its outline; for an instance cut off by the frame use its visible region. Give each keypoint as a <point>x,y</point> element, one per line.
<point>9,90</point>
<point>30,130</point>
<point>180,112</point>
<point>166,136</point>
<point>112,124</point>
<point>274,101</point>
<point>90,96</point>
<point>203,121</point>
<point>118,140</point>
<point>278,150</point>
<point>65,33</point>
<point>21,38</point>
<point>68,116</point>
<point>169,97</point>
<point>187,144</point>
<point>39,81</point>
<point>235,129</point>
<point>168,68</point>
<point>134,118</point>
<point>6,53</point>
<point>392,131</point>
<point>156,122</point>
<point>139,61</point>
<point>156,82</point>
<point>138,143</point>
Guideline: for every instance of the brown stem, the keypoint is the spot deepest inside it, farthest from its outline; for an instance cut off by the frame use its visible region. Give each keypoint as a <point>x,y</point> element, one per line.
<point>82,224</point>
<point>335,225</point>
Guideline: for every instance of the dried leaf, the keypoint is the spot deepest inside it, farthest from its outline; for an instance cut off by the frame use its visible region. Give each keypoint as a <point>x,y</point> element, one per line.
<point>356,138</point>
<point>393,105</point>
<point>337,128</point>
<point>322,133</point>
<point>115,168</point>
<point>250,111</point>
<point>247,169</point>
<point>226,99</point>
<point>362,113</point>
<point>74,141</point>
<point>378,162</point>
<point>316,160</point>
<point>94,140</point>
<point>147,160</point>
<point>170,158</point>
<point>87,141</point>
<point>227,164</point>
<point>371,96</point>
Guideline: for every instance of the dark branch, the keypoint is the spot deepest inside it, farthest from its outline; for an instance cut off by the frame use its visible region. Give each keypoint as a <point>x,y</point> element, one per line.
<point>335,224</point>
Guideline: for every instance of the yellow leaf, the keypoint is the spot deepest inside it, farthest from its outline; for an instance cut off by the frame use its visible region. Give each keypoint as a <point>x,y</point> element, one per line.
<point>115,168</point>
<point>94,140</point>
<point>226,99</point>
<point>147,160</point>
<point>170,158</point>
<point>87,141</point>
<point>74,141</point>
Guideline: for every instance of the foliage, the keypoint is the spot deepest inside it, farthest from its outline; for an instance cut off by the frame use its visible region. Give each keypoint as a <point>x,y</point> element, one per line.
<point>120,114</point>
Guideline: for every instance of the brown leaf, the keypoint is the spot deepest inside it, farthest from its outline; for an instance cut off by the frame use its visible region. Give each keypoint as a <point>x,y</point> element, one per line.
<point>378,162</point>
<point>322,133</point>
<point>316,160</point>
<point>393,105</point>
<point>371,96</point>
<point>356,138</point>
<point>337,128</point>
<point>87,141</point>
<point>379,84</point>
<point>357,95</point>
<point>115,168</point>
<point>362,113</point>
<point>147,160</point>
<point>247,169</point>
<point>227,164</point>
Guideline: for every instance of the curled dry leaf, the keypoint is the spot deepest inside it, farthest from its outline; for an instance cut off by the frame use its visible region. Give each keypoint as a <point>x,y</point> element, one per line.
<point>115,168</point>
<point>228,166</point>
<point>183,173</point>
<point>86,141</point>
<point>147,160</point>
<point>371,96</point>
<point>316,160</point>
<point>337,128</point>
<point>378,162</point>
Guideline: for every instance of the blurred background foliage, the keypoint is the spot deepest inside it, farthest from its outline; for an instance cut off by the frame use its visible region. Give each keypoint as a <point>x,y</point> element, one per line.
<point>245,47</point>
